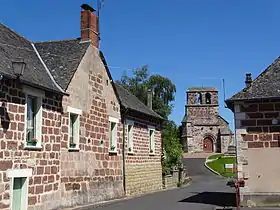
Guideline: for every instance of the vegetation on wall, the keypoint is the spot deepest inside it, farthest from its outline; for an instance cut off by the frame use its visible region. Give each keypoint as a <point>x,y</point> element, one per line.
<point>163,97</point>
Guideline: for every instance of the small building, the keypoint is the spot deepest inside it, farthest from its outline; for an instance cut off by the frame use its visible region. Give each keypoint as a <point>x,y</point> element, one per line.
<point>143,146</point>
<point>62,121</point>
<point>256,111</point>
<point>203,128</point>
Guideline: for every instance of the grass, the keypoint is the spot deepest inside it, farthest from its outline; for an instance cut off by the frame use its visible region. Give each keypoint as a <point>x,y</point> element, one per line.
<point>212,157</point>
<point>219,166</point>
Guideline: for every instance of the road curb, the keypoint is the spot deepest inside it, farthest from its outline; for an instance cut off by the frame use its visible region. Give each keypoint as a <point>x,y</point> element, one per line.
<point>210,169</point>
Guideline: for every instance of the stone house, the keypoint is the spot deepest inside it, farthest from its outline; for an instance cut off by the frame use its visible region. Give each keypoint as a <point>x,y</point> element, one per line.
<point>203,128</point>
<point>142,126</point>
<point>61,133</point>
<point>256,111</point>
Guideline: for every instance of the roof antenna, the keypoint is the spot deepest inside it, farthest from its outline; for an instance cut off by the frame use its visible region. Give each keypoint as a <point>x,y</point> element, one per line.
<point>100,4</point>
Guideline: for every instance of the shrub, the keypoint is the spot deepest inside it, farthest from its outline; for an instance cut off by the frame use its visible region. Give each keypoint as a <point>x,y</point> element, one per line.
<point>172,148</point>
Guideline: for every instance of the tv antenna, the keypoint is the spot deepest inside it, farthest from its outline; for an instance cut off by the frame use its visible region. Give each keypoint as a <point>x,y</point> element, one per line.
<point>100,4</point>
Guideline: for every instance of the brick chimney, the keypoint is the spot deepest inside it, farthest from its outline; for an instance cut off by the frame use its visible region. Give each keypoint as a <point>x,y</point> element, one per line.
<point>248,79</point>
<point>89,25</point>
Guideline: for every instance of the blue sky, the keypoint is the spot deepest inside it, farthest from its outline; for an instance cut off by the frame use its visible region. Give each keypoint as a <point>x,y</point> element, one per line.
<point>193,43</point>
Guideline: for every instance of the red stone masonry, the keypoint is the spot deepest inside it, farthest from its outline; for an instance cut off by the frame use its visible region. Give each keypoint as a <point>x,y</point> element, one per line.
<point>43,162</point>
<point>92,170</point>
<point>262,133</point>
<point>141,147</point>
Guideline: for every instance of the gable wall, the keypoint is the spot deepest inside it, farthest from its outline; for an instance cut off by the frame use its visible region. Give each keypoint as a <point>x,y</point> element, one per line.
<point>91,174</point>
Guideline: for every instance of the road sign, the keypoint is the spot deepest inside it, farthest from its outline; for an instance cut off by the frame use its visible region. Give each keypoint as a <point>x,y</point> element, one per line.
<point>228,165</point>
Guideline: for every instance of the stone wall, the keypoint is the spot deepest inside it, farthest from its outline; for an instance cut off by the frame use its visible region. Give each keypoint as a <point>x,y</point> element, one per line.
<point>143,170</point>
<point>196,133</point>
<point>92,173</point>
<point>43,185</point>
<point>172,180</point>
<point>257,135</point>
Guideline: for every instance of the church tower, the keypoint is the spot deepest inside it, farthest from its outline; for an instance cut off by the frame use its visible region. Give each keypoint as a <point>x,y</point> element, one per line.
<point>202,125</point>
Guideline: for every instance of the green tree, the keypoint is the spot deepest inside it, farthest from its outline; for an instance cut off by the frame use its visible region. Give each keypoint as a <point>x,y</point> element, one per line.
<point>141,81</point>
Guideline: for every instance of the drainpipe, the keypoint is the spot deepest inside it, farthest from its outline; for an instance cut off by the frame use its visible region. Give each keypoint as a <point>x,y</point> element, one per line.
<point>123,150</point>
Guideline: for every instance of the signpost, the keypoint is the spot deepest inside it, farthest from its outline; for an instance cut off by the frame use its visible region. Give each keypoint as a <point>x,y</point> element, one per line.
<point>229,168</point>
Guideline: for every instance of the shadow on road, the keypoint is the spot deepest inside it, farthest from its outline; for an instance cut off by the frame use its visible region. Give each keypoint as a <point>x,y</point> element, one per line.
<point>213,198</point>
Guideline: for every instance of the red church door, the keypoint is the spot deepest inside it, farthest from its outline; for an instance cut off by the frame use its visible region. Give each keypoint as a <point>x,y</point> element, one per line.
<point>207,145</point>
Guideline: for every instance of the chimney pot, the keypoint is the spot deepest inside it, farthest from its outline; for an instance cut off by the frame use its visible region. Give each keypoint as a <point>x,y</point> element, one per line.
<point>248,80</point>
<point>89,25</point>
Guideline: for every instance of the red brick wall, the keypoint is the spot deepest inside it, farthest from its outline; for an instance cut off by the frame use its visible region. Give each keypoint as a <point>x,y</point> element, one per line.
<point>44,162</point>
<point>261,132</point>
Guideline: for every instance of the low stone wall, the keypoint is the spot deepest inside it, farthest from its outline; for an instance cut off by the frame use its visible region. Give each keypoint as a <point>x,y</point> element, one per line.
<point>143,178</point>
<point>171,180</point>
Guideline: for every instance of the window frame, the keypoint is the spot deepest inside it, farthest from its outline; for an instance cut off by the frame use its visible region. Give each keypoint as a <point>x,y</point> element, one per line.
<point>19,173</point>
<point>38,96</point>
<point>130,137</point>
<point>152,144</point>
<point>114,142</point>
<point>76,140</point>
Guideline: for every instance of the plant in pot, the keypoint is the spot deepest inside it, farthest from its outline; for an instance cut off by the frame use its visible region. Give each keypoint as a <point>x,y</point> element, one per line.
<point>129,149</point>
<point>113,148</point>
<point>32,142</point>
<point>151,150</point>
<point>72,145</point>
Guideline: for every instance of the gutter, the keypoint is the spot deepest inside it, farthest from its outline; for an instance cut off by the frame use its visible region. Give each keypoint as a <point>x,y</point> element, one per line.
<point>123,148</point>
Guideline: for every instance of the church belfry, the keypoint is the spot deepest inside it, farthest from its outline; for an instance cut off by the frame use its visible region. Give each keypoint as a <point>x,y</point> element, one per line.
<point>202,124</point>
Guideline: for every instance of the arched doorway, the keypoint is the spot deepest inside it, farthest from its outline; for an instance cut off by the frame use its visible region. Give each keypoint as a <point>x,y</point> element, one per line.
<point>207,144</point>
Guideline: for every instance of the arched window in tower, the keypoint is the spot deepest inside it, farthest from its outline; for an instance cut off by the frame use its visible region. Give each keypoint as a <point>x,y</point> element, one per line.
<point>208,98</point>
<point>198,98</point>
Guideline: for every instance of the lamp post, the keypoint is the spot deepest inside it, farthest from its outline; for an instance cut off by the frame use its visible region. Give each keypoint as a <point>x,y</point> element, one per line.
<point>18,67</point>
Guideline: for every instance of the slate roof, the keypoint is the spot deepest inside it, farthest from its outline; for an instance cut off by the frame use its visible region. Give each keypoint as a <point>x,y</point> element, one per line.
<point>130,101</point>
<point>62,58</point>
<point>202,89</point>
<point>266,85</point>
<point>13,46</point>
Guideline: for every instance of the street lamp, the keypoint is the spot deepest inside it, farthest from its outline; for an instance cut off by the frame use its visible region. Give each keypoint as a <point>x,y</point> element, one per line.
<point>18,67</point>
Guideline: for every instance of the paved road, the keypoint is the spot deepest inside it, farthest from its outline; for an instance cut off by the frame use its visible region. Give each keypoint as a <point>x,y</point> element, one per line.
<point>205,193</point>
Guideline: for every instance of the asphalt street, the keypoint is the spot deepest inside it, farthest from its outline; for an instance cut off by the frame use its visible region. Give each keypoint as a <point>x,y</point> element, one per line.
<point>206,192</point>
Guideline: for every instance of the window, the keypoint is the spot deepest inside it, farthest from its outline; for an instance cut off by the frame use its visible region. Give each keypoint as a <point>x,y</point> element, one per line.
<point>130,136</point>
<point>19,189</point>
<point>198,98</point>
<point>152,140</point>
<point>74,128</point>
<point>208,98</point>
<point>113,134</point>
<point>33,118</point>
